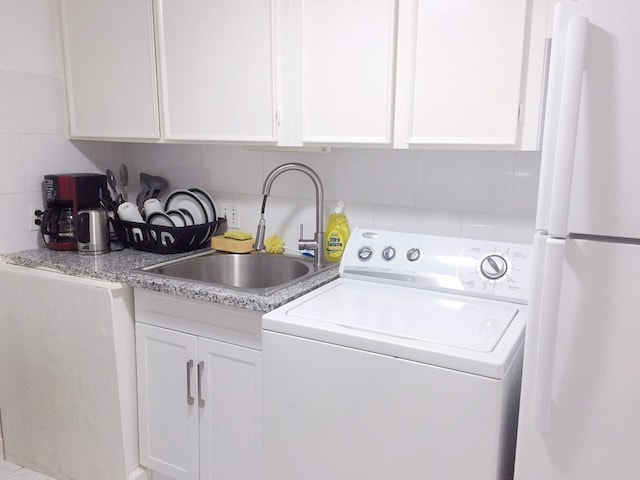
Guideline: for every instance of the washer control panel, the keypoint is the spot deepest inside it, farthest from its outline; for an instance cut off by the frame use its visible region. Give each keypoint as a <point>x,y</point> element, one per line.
<point>459,265</point>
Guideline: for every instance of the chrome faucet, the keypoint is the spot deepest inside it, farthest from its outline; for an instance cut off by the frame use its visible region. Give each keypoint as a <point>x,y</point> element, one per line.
<point>317,244</point>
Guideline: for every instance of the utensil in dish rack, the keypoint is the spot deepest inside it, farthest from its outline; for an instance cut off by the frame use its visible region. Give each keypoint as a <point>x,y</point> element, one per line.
<point>124,179</point>
<point>111,181</point>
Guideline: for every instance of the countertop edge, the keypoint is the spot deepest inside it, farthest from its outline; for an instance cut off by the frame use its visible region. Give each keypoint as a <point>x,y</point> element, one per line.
<point>118,266</point>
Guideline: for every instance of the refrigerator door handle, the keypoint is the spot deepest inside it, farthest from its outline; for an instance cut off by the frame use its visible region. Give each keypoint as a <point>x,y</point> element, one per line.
<point>568,117</point>
<point>548,322</point>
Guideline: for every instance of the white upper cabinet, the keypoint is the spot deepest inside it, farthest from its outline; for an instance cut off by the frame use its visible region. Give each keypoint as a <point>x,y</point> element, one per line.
<point>460,72</point>
<point>345,70</point>
<point>110,69</point>
<point>401,73</point>
<point>470,73</point>
<point>217,70</point>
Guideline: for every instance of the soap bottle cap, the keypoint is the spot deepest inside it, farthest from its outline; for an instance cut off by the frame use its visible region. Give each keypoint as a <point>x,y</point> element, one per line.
<point>339,207</point>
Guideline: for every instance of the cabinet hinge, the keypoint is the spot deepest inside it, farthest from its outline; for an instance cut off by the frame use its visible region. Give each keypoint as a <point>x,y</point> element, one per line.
<point>278,118</point>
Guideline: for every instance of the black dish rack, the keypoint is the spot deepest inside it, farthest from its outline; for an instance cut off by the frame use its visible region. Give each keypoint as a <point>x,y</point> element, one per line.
<point>167,240</point>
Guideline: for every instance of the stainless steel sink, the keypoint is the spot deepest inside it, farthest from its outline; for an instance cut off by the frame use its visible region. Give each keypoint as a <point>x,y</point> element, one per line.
<point>255,272</point>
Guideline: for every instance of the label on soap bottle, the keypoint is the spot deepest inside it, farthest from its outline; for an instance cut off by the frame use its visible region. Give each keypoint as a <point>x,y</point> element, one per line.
<point>335,246</point>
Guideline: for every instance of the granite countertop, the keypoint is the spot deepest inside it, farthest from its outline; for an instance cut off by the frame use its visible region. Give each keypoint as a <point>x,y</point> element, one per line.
<point>118,266</point>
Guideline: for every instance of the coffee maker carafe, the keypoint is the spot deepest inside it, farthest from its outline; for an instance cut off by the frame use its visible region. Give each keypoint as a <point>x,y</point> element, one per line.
<point>58,225</point>
<point>65,195</point>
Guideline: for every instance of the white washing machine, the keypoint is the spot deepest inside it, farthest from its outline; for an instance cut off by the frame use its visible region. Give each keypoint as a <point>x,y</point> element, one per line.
<point>406,367</point>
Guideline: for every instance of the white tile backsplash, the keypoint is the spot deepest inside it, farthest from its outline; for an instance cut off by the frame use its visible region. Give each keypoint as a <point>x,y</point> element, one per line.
<point>433,192</point>
<point>358,214</point>
<point>296,184</point>
<point>180,165</point>
<point>16,214</point>
<point>232,170</point>
<point>377,177</point>
<point>497,227</point>
<point>51,154</point>
<point>282,217</point>
<point>526,177</point>
<point>12,178</point>
<point>418,220</point>
<point>466,181</point>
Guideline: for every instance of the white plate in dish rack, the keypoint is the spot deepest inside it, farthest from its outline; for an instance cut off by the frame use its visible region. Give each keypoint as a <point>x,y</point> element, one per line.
<point>164,220</point>
<point>207,202</point>
<point>160,218</point>
<point>184,199</point>
<point>188,218</point>
<point>178,217</point>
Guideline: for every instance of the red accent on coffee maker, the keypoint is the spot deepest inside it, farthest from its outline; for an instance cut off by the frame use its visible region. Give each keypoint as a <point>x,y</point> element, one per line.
<point>65,195</point>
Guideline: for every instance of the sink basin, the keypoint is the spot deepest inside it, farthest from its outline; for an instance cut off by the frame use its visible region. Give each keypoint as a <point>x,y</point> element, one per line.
<point>255,272</point>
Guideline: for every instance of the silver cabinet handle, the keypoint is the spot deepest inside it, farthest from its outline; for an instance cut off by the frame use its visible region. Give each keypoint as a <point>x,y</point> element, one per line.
<point>190,399</point>
<point>200,369</point>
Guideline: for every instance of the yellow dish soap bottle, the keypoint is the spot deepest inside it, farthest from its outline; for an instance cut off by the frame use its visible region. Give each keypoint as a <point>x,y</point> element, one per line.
<point>337,234</point>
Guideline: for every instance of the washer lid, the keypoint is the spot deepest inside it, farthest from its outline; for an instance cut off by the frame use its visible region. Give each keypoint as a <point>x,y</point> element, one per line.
<point>399,312</point>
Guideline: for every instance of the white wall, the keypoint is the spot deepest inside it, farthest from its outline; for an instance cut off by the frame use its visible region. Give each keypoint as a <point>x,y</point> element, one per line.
<point>33,118</point>
<point>488,195</point>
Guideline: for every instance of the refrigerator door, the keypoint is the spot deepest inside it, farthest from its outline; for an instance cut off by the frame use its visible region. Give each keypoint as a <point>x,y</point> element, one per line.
<point>591,147</point>
<point>581,387</point>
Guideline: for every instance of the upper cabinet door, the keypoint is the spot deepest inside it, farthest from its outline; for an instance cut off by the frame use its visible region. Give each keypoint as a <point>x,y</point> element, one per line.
<point>345,68</point>
<point>217,70</point>
<point>460,70</point>
<point>110,69</point>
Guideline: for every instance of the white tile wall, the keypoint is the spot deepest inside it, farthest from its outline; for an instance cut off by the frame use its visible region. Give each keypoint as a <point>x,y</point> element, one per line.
<point>489,195</point>
<point>465,181</point>
<point>33,118</point>
<point>232,169</point>
<point>376,177</point>
<point>526,175</point>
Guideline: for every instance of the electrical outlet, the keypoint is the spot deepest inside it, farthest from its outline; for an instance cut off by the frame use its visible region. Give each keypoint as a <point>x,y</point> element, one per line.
<point>230,212</point>
<point>33,217</point>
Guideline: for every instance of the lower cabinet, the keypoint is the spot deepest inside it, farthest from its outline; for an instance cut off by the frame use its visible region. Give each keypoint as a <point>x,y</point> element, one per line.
<point>200,405</point>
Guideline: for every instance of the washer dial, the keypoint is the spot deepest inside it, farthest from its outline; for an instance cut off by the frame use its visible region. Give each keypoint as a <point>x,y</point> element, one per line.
<point>388,253</point>
<point>413,254</point>
<point>365,253</point>
<point>493,267</point>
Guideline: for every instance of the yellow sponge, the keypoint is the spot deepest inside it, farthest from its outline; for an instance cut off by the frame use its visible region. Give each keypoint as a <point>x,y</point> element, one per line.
<point>236,235</point>
<point>274,244</point>
<point>230,245</point>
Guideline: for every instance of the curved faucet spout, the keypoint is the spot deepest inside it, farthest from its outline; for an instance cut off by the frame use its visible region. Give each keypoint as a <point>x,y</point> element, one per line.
<point>317,244</point>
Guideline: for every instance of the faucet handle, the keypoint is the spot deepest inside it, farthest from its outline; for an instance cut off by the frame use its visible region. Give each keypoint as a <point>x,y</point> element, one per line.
<point>301,231</point>
<point>259,243</point>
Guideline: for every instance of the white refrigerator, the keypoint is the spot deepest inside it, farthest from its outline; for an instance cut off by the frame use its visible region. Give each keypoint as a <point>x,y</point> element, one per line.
<point>580,405</point>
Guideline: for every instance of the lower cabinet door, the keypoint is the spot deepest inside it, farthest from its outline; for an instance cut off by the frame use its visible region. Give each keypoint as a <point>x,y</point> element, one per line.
<point>168,401</point>
<point>231,414</point>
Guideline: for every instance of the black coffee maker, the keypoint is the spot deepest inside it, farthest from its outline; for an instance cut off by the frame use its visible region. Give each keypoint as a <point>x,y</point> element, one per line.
<point>65,195</point>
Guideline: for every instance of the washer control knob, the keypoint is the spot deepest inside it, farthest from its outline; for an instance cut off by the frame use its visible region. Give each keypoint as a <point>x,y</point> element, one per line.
<point>493,267</point>
<point>365,253</point>
<point>413,254</point>
<point>388,253</point>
